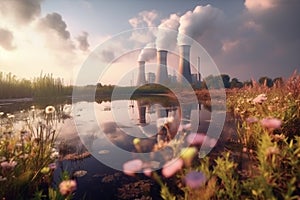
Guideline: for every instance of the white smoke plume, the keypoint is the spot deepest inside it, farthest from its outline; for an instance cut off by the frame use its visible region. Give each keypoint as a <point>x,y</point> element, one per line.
<point>167,33</point>
<point>148,52</point>
<point>195,23</point>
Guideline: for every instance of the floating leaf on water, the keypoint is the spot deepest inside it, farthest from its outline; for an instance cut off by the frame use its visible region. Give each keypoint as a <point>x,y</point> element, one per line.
<point>80,173</point>
<point>101,152</point>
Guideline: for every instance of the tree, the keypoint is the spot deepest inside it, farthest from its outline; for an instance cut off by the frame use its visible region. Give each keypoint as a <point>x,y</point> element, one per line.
<point>226,80</point>
<point>265,81</point>
<point>235,83</point>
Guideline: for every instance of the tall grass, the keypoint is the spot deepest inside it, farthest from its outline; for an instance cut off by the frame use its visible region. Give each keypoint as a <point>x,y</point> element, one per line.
<point>43,86</point>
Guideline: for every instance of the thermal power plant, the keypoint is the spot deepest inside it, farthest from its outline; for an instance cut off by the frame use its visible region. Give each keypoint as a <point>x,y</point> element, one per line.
<point>184,64</point>
<point>141,80</point>
<point>162,71</point>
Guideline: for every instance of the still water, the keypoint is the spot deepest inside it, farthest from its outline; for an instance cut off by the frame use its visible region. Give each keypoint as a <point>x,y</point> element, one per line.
<point>106,129</point>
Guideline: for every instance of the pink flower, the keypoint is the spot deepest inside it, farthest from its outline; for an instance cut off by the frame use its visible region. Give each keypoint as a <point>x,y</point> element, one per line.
<point>251,120</point>
<point>260,98</point>
<point>67,187</point>
<point>132,166</point>
<point>171,167</point>
<point>52,166</point>
<point>271,123</point>
<point>201,139</point>
<point>8,165</point>
<point>195,179</point>
<point>195,138</point>
<point>148,172</point>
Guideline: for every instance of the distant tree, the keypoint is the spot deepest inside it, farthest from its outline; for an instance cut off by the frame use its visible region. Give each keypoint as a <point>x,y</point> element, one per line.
<point>265,81</point>
<point>226,80</point>
<point>235,83</point>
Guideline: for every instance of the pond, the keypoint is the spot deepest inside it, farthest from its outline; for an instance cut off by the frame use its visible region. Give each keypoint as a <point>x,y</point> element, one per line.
<point>106,129</point>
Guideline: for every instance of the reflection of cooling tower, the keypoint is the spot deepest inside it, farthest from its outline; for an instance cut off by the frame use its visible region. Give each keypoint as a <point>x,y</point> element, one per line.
<point>142,112</point>
<point>184,63</point>
<point>162,72</point>
<point>141,80</point>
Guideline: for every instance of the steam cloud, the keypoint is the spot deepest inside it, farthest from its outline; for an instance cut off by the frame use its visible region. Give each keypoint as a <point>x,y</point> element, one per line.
<point>83,42</point>
<point>167,32</point>
<point>6,39</point>
<point>147,53</point>
<point>195,23</point>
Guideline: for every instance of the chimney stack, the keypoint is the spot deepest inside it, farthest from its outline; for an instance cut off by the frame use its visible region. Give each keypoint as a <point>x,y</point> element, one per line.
<point>162,72</point>
<point>184,63</point>
<point>141,80</point>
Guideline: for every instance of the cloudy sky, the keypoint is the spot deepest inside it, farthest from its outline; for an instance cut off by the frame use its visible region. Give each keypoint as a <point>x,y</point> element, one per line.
<point>246,39</point>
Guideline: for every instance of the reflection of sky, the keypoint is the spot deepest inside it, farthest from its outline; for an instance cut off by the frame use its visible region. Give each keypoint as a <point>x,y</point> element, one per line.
<point>93,118</point>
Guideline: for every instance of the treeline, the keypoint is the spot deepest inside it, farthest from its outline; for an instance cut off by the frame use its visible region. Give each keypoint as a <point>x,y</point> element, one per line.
<point>44,86</point>
<point>224,80</point>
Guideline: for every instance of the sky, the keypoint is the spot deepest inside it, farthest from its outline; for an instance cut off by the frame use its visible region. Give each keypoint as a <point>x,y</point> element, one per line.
<point>244,39</point>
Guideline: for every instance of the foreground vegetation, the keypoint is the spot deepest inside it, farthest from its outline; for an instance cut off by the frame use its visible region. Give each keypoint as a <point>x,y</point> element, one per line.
<point>28,156</point>
<point>263,162</point>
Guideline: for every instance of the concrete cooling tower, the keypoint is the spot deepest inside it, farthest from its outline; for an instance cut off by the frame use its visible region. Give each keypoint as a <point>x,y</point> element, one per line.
<point>184,64</point>
<point>162,72</point>
<point>141,79</point>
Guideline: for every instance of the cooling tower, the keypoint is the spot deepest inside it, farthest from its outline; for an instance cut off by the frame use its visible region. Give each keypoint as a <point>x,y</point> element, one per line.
<point>141,80</point>
<point>162,72</point>
<point>184,64</point>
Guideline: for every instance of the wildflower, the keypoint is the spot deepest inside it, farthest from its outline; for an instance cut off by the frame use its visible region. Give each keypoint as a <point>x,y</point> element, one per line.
<point>49,109</point>
<point>8,165</point>
<point>66,187</point>
<point>195,138</point>
<point>195,179</point>
<point>54,153</point>
<point>52,166</point>
<point>45,170</point>
<point>10,116</point>
<point>188,154</point>
<point>67,109</point>
<point>271,123</point>
<point>171,167</point>
<point>260,99</point>
<point>251,120</point>
<point>148,172</point>
<point>271,151</point>
<point>205,141</point>
<point>136,141</point>
<point>137,144</point>
<point>132,166</point>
